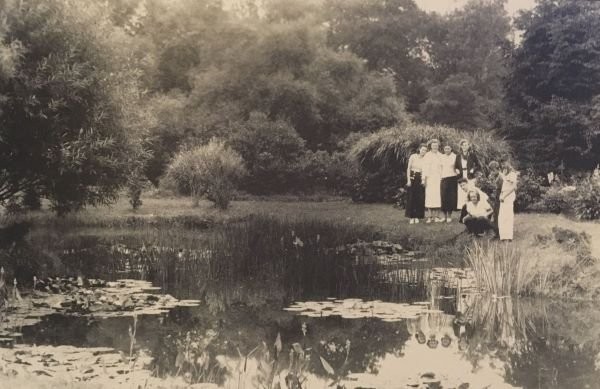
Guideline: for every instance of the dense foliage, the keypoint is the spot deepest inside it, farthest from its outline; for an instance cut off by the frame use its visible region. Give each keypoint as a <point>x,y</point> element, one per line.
<point>554,84</point>
<point>62,112</point>
<point>383,155</point>
<point>212,170</point>
<point>100,97</point>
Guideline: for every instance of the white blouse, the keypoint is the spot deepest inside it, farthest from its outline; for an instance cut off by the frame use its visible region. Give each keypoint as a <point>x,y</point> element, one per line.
<point>509,183</point>
<point>448,161</point>
<point>416,163</point>
<point>433,164</point>
<point>481,209</point>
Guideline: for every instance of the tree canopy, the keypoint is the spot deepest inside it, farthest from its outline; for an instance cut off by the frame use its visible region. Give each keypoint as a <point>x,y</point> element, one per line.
<point>62,118</point>
<point>553,86</point>
<point>97,96</point>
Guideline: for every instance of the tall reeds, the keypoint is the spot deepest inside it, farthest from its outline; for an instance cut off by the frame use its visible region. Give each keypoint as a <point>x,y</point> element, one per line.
<point>500,268</point>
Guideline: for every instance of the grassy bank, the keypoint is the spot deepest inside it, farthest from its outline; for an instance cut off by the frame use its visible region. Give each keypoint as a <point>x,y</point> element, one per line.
<point>548,243</point>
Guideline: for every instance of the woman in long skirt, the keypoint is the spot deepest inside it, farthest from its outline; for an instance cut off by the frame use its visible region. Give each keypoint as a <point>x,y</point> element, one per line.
<point>415,202</point>
<point>449,184</point>
<point>433,179</point>
<point>506,214</point>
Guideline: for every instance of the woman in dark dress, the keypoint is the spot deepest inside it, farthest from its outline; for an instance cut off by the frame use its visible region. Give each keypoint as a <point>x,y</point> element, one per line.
<point>415,203</point>
<point>466,166</point>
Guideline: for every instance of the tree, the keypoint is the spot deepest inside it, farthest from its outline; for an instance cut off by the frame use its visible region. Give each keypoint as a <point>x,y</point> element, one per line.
<point>272,152</point>
<point>467,50</point>
<point>389,34</point>
<point>62,111</point>
<point>456,103</point>
<point>554,84</point>
<point>287,72</point>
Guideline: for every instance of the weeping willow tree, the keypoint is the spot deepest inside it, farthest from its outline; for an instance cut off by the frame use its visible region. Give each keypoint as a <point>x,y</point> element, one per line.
<point>383,155</point>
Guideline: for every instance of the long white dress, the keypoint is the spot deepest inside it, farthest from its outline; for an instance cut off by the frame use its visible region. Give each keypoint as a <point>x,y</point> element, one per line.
<point>506,214</point>
<point>433,175</point>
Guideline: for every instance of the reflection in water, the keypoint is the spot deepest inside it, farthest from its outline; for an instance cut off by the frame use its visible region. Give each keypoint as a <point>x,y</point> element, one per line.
<point>398,327</point>
<point>470,340</point>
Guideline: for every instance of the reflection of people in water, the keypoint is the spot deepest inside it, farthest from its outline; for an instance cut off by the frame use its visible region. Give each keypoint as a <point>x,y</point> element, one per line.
<point>414,329</point>
<point>446,341</point>
<point>432,329</point>
<point>432,342</point>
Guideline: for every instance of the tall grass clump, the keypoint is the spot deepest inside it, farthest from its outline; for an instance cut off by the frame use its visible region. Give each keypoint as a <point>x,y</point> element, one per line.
<point>383,155</point>
<point>500,268</point>
<point>212,170</point>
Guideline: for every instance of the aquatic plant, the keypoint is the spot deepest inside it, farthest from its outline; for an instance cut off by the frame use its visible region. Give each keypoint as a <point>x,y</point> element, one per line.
<point>500,268</point>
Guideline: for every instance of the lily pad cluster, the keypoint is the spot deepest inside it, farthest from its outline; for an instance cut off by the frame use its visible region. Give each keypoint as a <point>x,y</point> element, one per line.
<point>359,309</point>
<point>115,298</point>
<point>379,252</point>
<point>77,364</point>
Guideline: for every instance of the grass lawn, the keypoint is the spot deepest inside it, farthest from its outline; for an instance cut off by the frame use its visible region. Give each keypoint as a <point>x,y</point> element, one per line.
<point>389,221</point>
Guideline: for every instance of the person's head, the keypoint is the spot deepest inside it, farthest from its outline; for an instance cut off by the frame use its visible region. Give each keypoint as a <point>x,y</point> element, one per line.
<point>447,149</point>
<point>421,338</point>
<point>463,183</point>
<point>432,342</point>
<point>596,172</point>
<point>494,166</point>
<point>473,196</point>
<point>446,341</point>
<point>507,167</point>
<point>464,146</point>
<point>434,145</point>
<point>422,149</point>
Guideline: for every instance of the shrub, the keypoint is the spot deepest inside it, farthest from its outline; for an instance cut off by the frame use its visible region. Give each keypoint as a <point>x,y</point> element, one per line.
<point>586,200</point>
<point>554,200</point>
<point>382,156</point>
<point>272,152</point>
<point>324,171</point>
<point>530,189</point>
<point>31,200</point>
<point>212,170</point>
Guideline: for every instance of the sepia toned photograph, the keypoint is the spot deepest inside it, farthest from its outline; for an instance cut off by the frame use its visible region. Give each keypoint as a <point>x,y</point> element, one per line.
<point>300,194</point>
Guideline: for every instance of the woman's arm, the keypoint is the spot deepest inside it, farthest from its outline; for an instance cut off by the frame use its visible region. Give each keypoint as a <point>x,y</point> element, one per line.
<point>512,179</point>
<point>474,163</point>
<point>457,165</point>
<point>408,169</point>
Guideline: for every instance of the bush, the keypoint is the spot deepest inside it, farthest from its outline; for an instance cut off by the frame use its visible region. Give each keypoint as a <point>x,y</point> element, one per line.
<point>586,201</point>
<point>272,152</point>
<point>530,188</point>
<point>212,170</point>
<point>382,156</point>
<point>554,200</point>
<point>330,172</point>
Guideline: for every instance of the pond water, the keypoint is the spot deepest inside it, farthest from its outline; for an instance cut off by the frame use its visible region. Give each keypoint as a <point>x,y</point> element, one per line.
<point>361,325</point>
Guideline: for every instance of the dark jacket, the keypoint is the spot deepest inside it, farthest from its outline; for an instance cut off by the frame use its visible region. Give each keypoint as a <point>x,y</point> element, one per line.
<point>472,163</point>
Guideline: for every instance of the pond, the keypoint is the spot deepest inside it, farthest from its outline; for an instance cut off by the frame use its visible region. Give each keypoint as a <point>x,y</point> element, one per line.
<point>374,316</point>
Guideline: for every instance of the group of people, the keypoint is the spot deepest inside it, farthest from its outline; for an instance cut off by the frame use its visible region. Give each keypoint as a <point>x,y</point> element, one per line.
<point>441,182</point>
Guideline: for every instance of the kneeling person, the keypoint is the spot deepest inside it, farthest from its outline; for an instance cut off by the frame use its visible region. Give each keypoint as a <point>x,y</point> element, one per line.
<point>478,212</point>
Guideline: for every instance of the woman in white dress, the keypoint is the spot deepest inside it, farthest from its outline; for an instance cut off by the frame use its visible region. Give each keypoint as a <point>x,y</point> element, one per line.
<point>449,184</point>
<point>506,214</point>
<point>432,180</point>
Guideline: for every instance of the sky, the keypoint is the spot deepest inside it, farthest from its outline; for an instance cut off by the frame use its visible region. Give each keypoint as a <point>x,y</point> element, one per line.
<point>443,6</point>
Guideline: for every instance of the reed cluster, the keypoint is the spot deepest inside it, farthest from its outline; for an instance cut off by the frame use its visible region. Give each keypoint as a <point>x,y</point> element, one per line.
<point>501,269</point>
